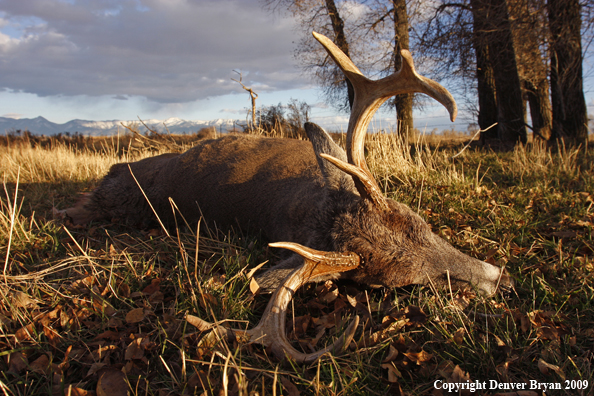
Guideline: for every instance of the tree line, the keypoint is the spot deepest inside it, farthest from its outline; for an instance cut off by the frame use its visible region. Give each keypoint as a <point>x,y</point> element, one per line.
<point>508,56</point>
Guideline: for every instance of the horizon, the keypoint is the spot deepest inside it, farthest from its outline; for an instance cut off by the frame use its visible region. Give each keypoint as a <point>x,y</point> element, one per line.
<point>159,60</point>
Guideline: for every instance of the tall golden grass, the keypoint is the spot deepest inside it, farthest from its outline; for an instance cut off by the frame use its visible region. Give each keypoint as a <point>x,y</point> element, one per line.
<point>79,306</point>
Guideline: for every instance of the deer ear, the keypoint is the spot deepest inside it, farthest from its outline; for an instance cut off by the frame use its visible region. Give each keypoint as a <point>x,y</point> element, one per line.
<point>323,143</point>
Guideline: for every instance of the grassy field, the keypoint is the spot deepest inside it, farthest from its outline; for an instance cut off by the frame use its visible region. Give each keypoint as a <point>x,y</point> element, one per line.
<point>102,309</point>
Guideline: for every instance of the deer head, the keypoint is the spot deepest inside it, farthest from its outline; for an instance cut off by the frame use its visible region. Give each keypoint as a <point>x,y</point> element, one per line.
<point>382,242</point>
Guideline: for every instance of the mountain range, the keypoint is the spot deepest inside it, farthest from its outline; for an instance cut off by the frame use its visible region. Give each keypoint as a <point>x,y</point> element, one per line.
<point>41,126</point>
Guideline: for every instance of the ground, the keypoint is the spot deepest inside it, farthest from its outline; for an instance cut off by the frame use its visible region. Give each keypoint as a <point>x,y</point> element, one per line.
<point>109,309</point>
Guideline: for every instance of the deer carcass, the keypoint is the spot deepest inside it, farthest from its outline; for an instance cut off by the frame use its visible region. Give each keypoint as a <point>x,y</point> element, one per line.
<point>311,195</point>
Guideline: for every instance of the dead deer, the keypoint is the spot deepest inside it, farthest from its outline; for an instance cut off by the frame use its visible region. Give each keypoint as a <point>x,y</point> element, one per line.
<point>323,203</point>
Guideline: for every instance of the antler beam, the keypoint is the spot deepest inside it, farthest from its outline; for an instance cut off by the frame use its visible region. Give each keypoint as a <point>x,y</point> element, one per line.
<point>270,332</point>
<point>369,96</point>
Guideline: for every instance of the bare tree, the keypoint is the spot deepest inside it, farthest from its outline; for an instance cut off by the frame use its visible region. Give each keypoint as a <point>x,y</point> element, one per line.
<point>404,102</point>
<point>377,36</point>
<point>388,22</point>
<point>341,42</point>
<point>570,120</point>
<point>253,97</point>
<point>527,21</point>
<point>476,38</point>
<point>487,115</point>
<point>502,55</point>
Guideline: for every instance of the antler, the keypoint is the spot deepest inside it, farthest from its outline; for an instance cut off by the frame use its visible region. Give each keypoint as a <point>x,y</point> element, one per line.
<point>369,96</point>
<point>270,332</point>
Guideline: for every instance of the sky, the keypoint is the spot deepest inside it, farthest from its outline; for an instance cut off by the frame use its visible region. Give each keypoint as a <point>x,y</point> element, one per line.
<point>157,59</point>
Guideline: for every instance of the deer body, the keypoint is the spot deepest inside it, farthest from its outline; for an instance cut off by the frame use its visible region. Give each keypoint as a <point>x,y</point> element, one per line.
<point>236,180</point>
<point>321,202</point>
<point>284,188</point>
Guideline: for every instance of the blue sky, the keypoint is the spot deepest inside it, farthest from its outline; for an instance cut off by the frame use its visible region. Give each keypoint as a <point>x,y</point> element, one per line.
<point>156,59</point>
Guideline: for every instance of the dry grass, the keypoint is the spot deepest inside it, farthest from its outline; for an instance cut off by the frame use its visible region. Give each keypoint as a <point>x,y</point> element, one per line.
<point>83,309</point>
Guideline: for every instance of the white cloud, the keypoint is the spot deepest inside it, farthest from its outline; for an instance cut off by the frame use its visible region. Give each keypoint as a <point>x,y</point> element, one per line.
<point>16,116</point>
<point>167,51</point>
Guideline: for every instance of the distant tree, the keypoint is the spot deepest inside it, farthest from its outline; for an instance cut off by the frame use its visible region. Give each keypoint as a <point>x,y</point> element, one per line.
<point>253,97</point>
<point>274,120</point>
<point>298,115</point>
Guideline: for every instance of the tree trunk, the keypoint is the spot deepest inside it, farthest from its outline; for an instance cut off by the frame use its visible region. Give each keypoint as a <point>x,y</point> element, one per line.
<point>340,41</point>
<point>487,100</point>
<point>570,118</point>
<point>527,31</point>
<point>510,105</point>
<point>404,102</point>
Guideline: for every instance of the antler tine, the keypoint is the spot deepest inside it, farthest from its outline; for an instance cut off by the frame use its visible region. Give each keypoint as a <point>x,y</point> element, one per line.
<point>369,96</point>
<point>270,332</point>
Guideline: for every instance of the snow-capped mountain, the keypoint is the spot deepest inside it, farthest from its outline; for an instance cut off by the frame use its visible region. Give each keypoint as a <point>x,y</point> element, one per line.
<point>41,126</point>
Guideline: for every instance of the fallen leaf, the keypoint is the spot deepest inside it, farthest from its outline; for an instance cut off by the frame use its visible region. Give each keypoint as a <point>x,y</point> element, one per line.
<point>23,300</point>
<point>500,342</point>
<point>112,383</point>
<point>289,386</point>
<point>5,321</point>
<point>415,315</point>
<point>207,300</point>
<point>17,362</point>
<point>256,268</point>
<point>109,334</point>
<point>41,365</point>
<point>459,336</point>
<point>156,297</point>
<point>459,375</point>
<point>419,357</point>
<point>547,333</point>
<point>136,315</point>
<point>329,296</point>
<point>153,287</point>
<point>82,285</point>
<point>52,335</point>
<point>115,322</point>
<point>393,372</point>
<point>201,325</point>
<point>102,306</point>
<point>383,334</point>
<point>216,282</point>
<point>392,355</point>
<point>544,368</point>
<point>25,333</point>
<point>124,290</point>
<point>95,367</point>
<point>135,350</point>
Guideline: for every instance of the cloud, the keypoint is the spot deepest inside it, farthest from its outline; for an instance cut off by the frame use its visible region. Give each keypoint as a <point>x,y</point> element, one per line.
<point>167,51</point>
<point>233,111</point>
<point>16,116</point>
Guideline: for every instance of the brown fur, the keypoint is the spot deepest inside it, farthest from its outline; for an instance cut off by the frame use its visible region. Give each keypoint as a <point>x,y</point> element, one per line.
<point>285,189</point>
